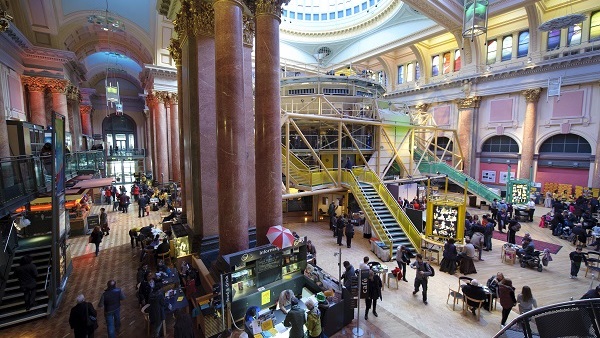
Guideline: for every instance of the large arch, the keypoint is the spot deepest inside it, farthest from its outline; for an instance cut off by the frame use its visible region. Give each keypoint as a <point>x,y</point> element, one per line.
<point>564,159</point>
<point>496,153</point>
<point>120,132</point>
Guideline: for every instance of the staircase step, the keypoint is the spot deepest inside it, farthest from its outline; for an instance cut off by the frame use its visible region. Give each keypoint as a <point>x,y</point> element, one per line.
<point>20,316</point>
<point>41,300</point>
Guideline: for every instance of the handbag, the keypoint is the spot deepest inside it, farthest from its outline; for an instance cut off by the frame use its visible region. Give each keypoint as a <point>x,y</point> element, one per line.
<point>90,239</point>
<point>90,320</point>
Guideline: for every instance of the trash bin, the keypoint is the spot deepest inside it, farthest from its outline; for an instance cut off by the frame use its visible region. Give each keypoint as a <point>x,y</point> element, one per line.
<point>473,201</point>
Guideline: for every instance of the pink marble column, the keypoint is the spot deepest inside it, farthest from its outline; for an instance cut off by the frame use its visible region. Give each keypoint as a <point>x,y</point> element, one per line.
<point>249,118</point>
<point>231,148</point>
<point>596,167</point>
<point>148,140</point>
<point>58,88</point>
<point>4,145</point>
<point>529,132</point>
<point>466,108</point>
<point>35,91</point>
<point>161,146</point>
<point>152,103</point>
<point>86,119</point>
<point>167,103</point>
<point>267,119</point>
<point>174,150</point>
<point>175,50</point>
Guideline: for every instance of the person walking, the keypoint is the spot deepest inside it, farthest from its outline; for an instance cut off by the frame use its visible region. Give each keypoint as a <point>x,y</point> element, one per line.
<point>374,286</point>
<point>506,294</point>
<point>403,257</point>
<point>530,209</point>
<point>81,320</point>
<point>349,233</point>
<point>295,319</point>
<point>576,257</point>
<point>104,222</point>
<point>142,203</point>
<point>96,238</point>
<point>424,270</point>
<point>27,274</point>
<point>313,320</point>
<point>111,302</point>
<point>340,227</point>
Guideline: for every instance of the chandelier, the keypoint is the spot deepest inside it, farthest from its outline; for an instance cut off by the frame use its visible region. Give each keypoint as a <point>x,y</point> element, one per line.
<point>107,21</point>
<point>475,18</point>
<point>561,22</point>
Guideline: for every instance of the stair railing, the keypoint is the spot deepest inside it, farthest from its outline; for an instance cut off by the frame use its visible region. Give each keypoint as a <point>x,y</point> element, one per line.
<point>410,230</point>
<point>48,270</point>
<point>351,180</point>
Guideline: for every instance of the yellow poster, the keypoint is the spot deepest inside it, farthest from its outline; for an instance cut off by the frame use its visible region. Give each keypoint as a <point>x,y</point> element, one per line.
<point>265,297</point>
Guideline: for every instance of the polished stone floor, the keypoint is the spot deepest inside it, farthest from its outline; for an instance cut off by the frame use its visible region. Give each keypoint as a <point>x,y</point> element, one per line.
<point>400,313</point>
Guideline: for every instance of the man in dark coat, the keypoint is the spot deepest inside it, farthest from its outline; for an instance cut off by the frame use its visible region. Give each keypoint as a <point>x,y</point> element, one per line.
<point>156,311</point>
<point>27,274</point>
<point>349,233</point>
<point>111,302</point>
<point>296,319</point>
<point>474,290</point>
<point>78,319</point>
<point>339,228</point>
<point>142,202</point>
<point>374,286</point>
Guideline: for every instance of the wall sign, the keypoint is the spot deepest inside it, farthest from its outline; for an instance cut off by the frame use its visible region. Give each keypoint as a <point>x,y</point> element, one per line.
<point>488,176</point>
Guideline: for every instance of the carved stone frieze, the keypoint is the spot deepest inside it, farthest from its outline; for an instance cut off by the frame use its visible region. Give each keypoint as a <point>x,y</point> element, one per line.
<point>58,85</point>
<point>249,30</point>
<point>73,93</point>
<point>469,102</point>
<point>195,18</point>
<point>173,98</point>
<point>151,99</point>
<point>161,96</point>
<point>532,95</point>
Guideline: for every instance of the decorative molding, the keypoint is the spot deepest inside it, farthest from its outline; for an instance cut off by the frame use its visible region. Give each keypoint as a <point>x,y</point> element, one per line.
<point>175,50</point>
<point>532,95</point>
<point>469,102</point>
<point>161,96</point>
<point>173,99</point>
<point>5,20</point>
<point>34,83</point>
<point>249,30</point>
<point>270,7</point>
<point>73,93</point>
<point>58,85</point>
<point>151,99</point>
<point>422,107</point>
<point>203,22</point>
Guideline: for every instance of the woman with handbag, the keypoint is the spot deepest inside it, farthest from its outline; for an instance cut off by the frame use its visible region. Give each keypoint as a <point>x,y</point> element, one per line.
<point>83,318</point>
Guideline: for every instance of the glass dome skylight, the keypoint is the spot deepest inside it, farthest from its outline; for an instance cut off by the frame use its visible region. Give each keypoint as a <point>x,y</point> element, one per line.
<point>321,14</point>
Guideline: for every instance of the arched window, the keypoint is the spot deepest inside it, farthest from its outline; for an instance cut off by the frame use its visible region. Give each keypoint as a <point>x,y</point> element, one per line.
<point>574,35</point>
<point>400,74</point>
<point>410,72</point>
<point>553,39</point>
<point>566,143</point>
<point>120,131</point>
<point>595,26</point>
<point>446,63</point>
<point>500,144</point>
<point>491,51</point>
<point>435,64</point>
<point>442,143</point>
<point>523,48</point>
<point>507,44</point>
<point>457,60</point>
<point>417,71</point>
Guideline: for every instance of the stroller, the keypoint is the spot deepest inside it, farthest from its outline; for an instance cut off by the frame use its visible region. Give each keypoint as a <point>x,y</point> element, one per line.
<point>532,261</point>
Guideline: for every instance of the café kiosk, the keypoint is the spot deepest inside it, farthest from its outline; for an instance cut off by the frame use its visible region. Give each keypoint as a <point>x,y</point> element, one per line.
<point>257,277</point>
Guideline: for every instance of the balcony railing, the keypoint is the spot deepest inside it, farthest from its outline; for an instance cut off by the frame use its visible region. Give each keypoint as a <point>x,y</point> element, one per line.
<point>22,177</point>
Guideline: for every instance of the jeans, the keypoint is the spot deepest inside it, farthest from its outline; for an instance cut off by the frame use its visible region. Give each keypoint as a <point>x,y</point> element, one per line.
<point>97,248</point>
<point>487,242</point>
<point>113,322</point>
<point>575,268</point>
<point>421,282</point>
<point>505,313</point>
<point>29,294</point>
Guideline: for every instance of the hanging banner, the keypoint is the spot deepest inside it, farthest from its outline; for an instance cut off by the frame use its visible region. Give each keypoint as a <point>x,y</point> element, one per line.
<point>554,87</point>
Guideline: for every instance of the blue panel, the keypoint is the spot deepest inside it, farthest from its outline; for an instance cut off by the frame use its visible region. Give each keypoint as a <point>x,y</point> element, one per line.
<point>284,12</point>
<point>364,6</point>
<point>340,14</point>
<point>348,12</point>
<point>324,16</point>
<point>315,17</point>
<point>356,9</point>
<point>292,15</point>
<point>300,16</point>
<point>331,15</point>
<point>371,2</point>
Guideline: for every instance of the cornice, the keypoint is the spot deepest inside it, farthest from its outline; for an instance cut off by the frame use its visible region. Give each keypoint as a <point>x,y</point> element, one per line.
<point>469,102</point>
<point>28,50</point>
<point>161,71</point>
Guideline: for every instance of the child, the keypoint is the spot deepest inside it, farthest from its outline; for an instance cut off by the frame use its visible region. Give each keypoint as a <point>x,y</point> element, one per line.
<point>576,257</point>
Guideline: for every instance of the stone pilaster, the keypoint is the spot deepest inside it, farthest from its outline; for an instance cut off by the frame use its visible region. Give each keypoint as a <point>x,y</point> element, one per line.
<point>86,119</point>
<point>35,91</point>
<point>58,88</point>
<point>176,54</point>
<point>466,109</point>
<point>532,97</point>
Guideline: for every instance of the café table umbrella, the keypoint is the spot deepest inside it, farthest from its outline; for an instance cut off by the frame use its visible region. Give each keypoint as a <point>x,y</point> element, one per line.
<point>280,237</point>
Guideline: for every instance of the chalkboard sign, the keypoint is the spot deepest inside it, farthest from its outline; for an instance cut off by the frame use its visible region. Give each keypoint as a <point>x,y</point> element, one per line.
<point>269,262</point>
<point>93,221</point>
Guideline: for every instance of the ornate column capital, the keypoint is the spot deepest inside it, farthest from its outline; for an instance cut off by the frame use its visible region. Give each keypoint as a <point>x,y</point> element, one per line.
<point>34,84</point>
<point>270,7</point>
<point>173,99</point>
<point>532,95</point>
<point>469,102</point>
<point>58,85</point>
<point>195,18</point>
<point>73,93</point>
<point>85,109</point>
<point>249,30</point>
<point>5,20</point>
<point>161,96</point>
<point>151,99</point>
<point>175,50</point>
<point>423,107</point>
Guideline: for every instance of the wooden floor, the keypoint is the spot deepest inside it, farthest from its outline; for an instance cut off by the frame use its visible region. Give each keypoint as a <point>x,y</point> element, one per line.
<point>400,313</point>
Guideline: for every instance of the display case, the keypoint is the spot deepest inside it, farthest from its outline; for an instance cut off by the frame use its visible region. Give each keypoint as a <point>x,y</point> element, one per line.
<point>446,219</point>
<point>180,244</point>
<point>518,191</point>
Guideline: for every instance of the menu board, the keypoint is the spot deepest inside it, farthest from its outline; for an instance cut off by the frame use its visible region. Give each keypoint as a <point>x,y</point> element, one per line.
<point>269,262</point>
<point>444,221</point>
<point>92,221</point>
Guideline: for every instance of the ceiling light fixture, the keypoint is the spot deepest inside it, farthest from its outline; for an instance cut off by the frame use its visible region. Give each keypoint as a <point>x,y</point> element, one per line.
<point>475,18</point>
<point>107,21</point>
<point>561,22</point>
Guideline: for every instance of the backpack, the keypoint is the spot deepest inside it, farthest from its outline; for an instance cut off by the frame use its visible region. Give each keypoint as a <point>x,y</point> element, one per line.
<point>432,269</point>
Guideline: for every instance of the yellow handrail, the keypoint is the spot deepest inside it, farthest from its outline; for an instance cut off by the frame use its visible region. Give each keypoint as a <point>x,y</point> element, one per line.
<point>368,176</point>
<point>351,180</point>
